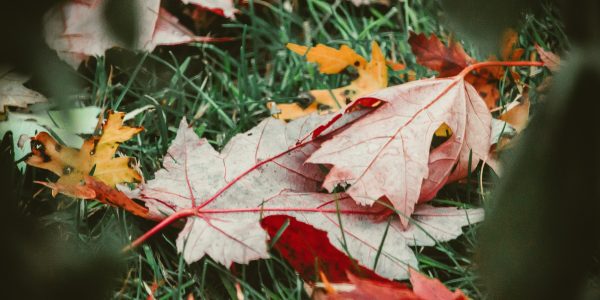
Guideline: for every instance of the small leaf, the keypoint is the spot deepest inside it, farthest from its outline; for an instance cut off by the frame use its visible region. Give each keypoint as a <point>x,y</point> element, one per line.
<point>432,289</point>
<point>64,125</point>
<point>73,165</point>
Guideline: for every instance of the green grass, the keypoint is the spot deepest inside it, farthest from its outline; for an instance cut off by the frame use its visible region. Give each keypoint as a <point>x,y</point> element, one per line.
<point>231,84</point>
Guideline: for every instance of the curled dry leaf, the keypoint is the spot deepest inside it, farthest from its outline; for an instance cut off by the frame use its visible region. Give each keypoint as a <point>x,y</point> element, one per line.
<point>95,156</point>
<point>372,76</point>
<point>12,91</point>
<point>386,154</point>
<point>77,29</point>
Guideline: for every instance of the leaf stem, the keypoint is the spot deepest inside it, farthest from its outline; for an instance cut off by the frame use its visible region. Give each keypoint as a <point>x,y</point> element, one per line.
<point>520,63</point>
<point>195,211</point>
<point>158,227</point>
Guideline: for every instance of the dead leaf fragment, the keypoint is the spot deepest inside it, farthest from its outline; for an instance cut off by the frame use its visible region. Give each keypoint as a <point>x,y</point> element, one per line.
<point>13,93</point>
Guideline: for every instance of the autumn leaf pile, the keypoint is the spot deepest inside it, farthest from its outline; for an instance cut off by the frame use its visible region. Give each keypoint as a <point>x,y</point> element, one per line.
<point>340,187</point>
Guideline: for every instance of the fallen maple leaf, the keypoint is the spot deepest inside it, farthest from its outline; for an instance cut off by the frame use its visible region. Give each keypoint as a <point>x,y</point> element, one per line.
<point>372,76</point>
<point>261,173</point>
<point>386,154</point>
<point>255,175</point>
<point>12,91</point>
<point>96,154</point>
<point>78,29</point>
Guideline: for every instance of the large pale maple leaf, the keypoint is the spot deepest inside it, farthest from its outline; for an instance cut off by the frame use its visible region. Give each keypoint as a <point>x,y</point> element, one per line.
<point>263,172</point>
<point>78,29</point>
<point>386,154</point>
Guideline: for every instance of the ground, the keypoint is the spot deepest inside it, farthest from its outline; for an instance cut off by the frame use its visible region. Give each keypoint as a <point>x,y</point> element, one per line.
<point>222,89</point>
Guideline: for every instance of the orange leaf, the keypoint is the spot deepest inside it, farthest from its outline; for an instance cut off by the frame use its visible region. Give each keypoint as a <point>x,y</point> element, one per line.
<point>111,196</point>
<point>372,76</point>
<point>97,153</point>
<point>431,53</point>
<point>330,60</point>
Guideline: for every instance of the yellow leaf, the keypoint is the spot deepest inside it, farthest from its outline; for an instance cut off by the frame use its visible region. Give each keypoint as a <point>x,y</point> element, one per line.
<point>372,76</point>
<point>97,153</point>
<point>291,111</point>
<point>330,60</point>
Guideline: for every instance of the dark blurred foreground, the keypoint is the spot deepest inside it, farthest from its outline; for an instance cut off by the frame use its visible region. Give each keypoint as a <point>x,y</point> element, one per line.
<point>541,236</point>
